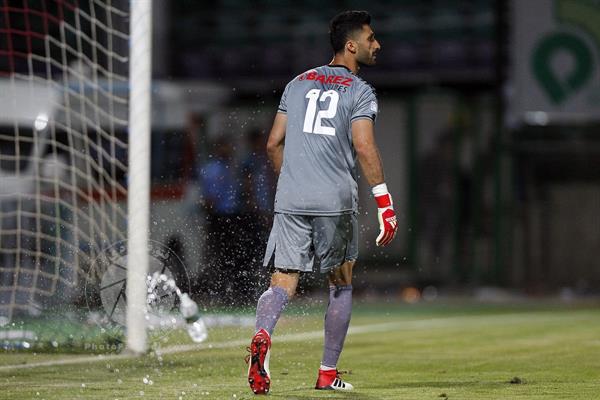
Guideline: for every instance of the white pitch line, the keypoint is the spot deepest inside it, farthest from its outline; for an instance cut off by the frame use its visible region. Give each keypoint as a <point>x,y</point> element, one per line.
<point>500,319</point>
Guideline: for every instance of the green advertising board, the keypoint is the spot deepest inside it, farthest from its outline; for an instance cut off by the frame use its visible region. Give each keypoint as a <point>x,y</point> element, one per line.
<point>555,61</point>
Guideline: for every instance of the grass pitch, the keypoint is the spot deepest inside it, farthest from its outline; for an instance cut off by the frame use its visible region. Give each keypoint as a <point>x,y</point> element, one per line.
<point>393,351</point>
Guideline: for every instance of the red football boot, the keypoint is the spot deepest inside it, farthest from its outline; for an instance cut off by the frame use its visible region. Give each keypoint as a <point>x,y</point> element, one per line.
<point>330,380</point>
<point>259,377</point>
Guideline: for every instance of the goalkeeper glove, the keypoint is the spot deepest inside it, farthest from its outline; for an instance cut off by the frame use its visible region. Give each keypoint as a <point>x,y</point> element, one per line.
<point>386,215</point>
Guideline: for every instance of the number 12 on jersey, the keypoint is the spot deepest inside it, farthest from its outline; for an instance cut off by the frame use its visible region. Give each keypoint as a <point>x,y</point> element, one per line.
<point>312,124</point>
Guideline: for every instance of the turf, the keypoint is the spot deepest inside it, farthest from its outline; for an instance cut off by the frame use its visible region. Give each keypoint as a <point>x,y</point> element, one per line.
<point>394,352</point>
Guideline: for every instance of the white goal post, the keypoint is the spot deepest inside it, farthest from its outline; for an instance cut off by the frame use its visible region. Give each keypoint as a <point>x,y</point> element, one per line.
<point>75,78</point>
<point>138,199</point>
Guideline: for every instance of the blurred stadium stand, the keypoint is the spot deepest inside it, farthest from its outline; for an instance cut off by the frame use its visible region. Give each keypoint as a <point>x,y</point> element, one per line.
<point>439,40</point>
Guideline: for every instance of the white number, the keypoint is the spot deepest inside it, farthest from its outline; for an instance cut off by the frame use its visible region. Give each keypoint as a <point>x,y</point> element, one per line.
<point>311,110</point>
<point>329,113</point>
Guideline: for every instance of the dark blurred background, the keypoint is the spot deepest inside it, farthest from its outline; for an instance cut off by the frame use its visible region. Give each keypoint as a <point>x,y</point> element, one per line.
<point>496,179</point>
<point>443,41</point>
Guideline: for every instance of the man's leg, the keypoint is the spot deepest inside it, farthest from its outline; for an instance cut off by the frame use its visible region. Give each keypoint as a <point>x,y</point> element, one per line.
<point>339,311</point>
<point>268,310</point>
<point>337,320</point>
<point>289,245</point>
<point>273,300</point>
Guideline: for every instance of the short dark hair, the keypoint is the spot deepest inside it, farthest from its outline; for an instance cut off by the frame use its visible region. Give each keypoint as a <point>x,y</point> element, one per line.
<point>344,24</point>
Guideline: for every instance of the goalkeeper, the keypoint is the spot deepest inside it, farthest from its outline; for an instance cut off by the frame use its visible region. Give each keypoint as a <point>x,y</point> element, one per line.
<point>324,125</point>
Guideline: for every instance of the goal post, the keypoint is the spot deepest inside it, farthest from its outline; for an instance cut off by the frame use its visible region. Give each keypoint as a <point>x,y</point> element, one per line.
<point>75,81</point>
<point>140,66</point>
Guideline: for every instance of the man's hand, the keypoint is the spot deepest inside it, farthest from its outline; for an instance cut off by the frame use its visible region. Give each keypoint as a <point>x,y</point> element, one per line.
<point>386,215</point>
<point>363,140</point>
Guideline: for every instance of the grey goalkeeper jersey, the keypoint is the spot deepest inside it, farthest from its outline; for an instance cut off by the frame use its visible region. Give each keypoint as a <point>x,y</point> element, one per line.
<point>319,171</point>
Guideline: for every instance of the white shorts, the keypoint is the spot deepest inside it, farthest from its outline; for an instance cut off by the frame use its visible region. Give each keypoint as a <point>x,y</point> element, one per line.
<point>296,240</point>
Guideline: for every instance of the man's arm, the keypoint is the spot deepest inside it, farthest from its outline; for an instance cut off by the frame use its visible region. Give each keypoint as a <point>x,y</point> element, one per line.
<point>276,141</point>
<point>363,139</point>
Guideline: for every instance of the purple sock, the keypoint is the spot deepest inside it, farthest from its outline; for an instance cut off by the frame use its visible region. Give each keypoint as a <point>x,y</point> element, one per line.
<point>337,320</point>
<point>269,308</point>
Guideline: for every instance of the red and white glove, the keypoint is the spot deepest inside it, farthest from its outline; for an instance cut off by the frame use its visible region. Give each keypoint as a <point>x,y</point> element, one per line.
<point>386,215</point>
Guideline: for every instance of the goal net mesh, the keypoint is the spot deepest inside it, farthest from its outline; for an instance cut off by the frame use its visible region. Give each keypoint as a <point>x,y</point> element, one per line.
<point>63,147</point>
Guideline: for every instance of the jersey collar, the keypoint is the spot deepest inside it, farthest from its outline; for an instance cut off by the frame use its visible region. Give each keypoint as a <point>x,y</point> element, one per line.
<point>339,66</point>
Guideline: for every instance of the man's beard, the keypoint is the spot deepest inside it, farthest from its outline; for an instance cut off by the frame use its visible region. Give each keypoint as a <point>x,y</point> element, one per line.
<point>363,64</point>
<point>369,63</point>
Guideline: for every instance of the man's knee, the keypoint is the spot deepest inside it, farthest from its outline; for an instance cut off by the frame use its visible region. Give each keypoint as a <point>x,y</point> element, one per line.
<point>342,275</point>
<point>286,280</point>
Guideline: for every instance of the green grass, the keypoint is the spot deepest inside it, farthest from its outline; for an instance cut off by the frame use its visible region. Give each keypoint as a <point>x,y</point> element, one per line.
<point>437,351</point>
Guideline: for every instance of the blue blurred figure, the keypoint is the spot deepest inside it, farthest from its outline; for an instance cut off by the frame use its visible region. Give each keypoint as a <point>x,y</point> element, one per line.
<point>220,181</point>
<point>257,197</point>
<point>221,194</point>
<point>258,176</point>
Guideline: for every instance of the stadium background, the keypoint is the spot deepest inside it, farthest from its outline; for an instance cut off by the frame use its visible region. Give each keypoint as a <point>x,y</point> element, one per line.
<point>486,196</point>
<point>492,189</point>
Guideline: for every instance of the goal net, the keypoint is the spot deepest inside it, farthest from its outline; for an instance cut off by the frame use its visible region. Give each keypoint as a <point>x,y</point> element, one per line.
<point>64,109</point>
